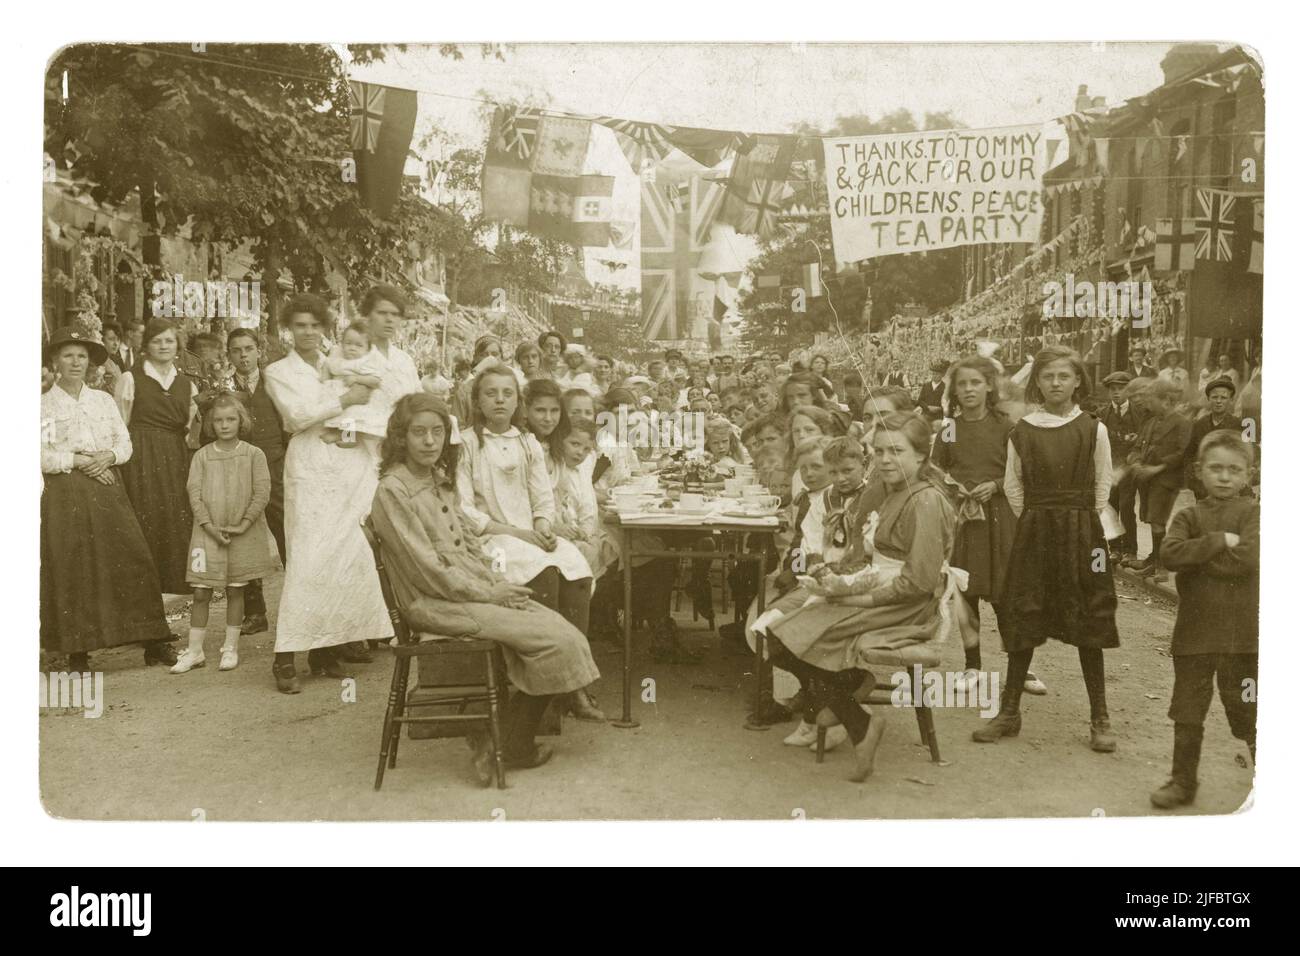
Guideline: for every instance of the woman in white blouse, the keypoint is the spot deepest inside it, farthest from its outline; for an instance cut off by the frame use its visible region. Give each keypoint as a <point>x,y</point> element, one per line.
<point>99,587</point>
<point>506,495</point>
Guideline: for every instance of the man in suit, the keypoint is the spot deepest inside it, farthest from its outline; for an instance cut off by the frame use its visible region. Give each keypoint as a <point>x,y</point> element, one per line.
<point>133,347</point>
<point>1123,420</point>
<point>896,377</point>
<point>268,435</point>
<point>931,397</point>
<point>1220,395</point>
<point>1138,366</point>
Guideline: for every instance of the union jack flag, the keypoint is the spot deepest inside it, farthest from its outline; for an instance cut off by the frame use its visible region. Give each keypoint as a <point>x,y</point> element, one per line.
<point>753,207</point>
<point>517,135</point>
<point>671,245</point>
<point>367,101</point>
<point>1214,226</point>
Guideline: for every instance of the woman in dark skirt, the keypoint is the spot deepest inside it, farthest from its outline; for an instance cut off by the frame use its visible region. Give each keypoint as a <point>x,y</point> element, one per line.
<point>1058,583</point>
<point>156,400</point>
<point>972,448</point>
<point>98,583</point>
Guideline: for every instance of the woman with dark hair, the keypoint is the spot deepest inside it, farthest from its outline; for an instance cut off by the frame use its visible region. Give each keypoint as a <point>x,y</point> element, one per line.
<point>820,366</point>
<point>99,587</point>
<point>384,309</point>
<point>1057,482</point>
<point>157,401</point>
<point>448,585</point>
<point>552,344</point>
<point>331,593</point>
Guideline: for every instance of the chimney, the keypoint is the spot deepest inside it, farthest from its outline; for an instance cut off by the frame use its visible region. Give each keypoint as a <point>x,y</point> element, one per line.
<point>1082,101</point>
<point>1183,58</point>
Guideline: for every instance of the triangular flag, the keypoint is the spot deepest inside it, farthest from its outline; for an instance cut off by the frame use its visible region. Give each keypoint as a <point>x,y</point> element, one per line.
<point>1052,146</point>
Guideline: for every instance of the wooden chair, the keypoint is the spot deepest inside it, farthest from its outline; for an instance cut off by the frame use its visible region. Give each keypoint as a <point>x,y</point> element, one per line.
<point>479,681</point>
<point>904,658</point>
<point>926,655</point>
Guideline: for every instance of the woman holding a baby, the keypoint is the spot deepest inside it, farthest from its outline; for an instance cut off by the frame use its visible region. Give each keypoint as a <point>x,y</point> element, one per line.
<point>336,411</point>
<point>818,636</point>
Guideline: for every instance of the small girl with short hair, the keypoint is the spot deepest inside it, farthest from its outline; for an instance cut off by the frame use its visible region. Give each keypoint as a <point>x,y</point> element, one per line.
<point>229,487</point>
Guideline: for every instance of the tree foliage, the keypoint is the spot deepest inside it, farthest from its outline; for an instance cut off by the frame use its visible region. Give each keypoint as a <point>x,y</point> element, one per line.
<point>249,142</point>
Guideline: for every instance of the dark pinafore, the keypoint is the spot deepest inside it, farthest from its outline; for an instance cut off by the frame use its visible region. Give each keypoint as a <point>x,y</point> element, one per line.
<point>156,474</point>
<point>1059,583</point>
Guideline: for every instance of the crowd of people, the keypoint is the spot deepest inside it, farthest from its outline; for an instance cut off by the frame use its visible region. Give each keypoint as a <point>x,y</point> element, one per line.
<point>487,490</point>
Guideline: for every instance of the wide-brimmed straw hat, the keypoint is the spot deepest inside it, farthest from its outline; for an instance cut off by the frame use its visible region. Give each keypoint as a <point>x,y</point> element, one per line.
<point>70,336</point>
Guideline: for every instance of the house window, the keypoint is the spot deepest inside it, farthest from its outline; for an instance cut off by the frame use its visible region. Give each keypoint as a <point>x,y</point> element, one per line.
<point>1223,117</point>
<point>1133,191</point>
<point>1176,195</point>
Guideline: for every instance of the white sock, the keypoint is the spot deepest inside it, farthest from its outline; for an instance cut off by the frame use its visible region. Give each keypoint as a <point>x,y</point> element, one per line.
<point>232,638</point>
<point>196,641</point>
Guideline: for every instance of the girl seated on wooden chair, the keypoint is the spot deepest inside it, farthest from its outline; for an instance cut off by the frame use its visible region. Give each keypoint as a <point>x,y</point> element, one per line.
<point>820,642</point>
<point>448,585</point>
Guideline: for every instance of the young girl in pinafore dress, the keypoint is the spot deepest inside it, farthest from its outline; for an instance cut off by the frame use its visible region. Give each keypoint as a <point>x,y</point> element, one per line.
<point>1059,583</point>
<point>971,447</point>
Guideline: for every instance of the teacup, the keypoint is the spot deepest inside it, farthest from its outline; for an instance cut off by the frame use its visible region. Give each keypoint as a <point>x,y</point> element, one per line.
<point>762,504</point>
<point>691,502</point>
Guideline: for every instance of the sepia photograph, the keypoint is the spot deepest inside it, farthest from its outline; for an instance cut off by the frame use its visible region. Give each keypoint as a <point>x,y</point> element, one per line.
<point>649,431</point>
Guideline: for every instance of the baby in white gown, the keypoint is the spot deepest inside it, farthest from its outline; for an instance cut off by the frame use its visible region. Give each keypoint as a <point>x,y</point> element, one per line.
<point>356,366</point>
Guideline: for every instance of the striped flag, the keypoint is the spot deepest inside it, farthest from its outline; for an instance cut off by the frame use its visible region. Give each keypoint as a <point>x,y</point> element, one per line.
<point>639,141</point>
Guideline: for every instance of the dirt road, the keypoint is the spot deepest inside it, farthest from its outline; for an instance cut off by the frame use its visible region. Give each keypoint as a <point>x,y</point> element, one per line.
<point>226,746</point>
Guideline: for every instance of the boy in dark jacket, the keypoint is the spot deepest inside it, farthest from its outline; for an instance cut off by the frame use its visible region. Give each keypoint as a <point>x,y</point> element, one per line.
<point>1214,548</point>
<point>1157,465</point>
<point>1219,395</point>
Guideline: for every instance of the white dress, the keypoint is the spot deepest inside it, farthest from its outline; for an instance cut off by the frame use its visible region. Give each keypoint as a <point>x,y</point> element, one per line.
<point>505,480</point>
<point>331,590</point>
